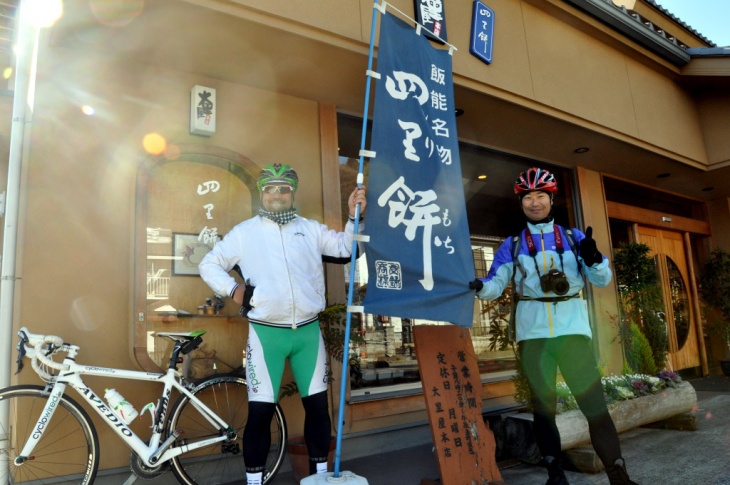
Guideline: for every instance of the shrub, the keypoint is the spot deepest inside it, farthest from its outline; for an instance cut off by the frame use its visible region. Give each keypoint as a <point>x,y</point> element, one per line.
<point>655,331</point>
<point>623,387</point>
<point>715,292</point>
<point>639,355</point>
<point>641,299</point>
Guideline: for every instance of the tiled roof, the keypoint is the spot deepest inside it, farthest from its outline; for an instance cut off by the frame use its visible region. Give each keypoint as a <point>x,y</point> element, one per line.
<point>709,52</point>
<point>636,27</point>
<point>680,21</point>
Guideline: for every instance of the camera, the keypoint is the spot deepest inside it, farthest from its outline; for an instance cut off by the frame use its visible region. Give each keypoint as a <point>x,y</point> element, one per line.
<point>554,281</point>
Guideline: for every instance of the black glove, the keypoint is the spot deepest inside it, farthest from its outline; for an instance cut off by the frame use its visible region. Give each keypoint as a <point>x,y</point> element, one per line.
<point>476,285</point>
<point>247,295</point>
<point>588,250</point>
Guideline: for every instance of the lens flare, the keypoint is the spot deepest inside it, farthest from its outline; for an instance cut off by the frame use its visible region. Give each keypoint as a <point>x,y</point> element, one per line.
<point>116,13</point>
<point>172,152</point>
<point>87,110</point>
<point>44,13</point>
<point>7,72</point>
<point>154,143</point>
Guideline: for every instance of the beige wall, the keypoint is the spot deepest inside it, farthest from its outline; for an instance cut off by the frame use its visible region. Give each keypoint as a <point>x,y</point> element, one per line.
<point>714,108</point>
<point>6,116</point>
<point>544,58</point>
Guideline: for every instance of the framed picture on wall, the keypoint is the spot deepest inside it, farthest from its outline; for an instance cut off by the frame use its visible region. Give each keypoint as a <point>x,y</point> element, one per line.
<point>187,252</point>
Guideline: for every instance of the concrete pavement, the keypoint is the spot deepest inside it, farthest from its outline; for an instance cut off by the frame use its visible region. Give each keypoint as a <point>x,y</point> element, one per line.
<point>653,456</point>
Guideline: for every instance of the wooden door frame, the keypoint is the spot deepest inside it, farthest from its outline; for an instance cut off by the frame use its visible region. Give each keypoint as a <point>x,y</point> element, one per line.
<point>682,225</point>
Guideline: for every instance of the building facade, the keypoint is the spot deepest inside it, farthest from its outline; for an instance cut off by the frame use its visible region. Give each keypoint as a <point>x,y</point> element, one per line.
<point>118,199</point>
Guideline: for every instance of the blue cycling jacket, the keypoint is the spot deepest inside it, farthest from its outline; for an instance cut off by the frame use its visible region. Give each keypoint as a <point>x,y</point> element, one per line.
<point>538,319</point>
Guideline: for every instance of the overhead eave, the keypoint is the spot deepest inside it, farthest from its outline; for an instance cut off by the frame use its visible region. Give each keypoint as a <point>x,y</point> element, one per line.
<point>632,27</point>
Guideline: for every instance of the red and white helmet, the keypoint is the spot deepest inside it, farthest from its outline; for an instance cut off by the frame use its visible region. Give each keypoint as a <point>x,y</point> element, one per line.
<point>536,179</point>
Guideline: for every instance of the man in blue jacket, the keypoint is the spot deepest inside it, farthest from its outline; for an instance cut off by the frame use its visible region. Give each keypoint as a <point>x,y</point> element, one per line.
<point>280,255</point>
<point>552,327</point>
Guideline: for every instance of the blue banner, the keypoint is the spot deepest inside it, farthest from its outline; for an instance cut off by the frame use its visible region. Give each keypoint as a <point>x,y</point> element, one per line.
<point>419,255</point>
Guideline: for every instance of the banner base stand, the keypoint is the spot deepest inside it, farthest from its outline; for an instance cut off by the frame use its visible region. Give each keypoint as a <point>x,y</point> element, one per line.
<point>348,478</point>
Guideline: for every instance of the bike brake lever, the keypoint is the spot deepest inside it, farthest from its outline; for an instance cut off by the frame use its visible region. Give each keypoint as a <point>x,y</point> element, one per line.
<point>21,352</point>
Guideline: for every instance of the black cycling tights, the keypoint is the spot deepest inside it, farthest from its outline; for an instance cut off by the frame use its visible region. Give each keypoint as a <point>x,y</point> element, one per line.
<point>317,429</point>
<point>257,435</point>
<point>574,355</point>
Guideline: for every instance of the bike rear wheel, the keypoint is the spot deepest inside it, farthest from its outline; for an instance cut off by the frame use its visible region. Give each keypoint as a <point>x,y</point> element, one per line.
<point>68,450</point>
<point>222,462</point>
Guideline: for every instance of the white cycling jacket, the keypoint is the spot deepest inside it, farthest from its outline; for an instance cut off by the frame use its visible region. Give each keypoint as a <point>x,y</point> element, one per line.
<point>538,319</point>
<point>284,263</point>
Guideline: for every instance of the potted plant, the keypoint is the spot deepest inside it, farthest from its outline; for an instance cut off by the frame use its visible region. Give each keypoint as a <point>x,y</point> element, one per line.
<point>641,304</point>
<point>715,292</point>
<point>332,322</point>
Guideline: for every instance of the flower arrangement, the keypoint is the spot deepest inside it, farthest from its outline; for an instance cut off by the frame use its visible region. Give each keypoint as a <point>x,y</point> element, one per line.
<point>621,388</point>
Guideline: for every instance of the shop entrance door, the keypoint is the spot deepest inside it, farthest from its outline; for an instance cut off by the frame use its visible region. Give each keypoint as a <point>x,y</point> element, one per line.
<point>669,251</point>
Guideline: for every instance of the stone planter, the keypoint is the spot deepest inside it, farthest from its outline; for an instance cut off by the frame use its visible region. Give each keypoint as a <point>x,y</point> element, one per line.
<point>626,415</point>
<point>630,414</point>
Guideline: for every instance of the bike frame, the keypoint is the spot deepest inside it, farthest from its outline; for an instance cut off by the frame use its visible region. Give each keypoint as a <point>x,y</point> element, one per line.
<point>153,454</point>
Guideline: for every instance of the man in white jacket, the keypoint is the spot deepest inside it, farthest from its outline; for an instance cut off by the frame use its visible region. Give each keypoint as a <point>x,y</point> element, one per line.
<point>280,255</point>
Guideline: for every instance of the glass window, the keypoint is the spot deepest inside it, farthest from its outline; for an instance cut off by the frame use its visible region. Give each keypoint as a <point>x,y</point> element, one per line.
<point>184,207</point>
<point>386,362</point>
<point>680,302</point>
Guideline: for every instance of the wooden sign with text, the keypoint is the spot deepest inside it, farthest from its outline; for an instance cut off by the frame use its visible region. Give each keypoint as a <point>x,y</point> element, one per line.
<point>452,387</point>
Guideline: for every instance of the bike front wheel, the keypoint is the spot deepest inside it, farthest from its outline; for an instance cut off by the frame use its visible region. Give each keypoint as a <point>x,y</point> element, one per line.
<point>68,449</point>
<point>222,462</point>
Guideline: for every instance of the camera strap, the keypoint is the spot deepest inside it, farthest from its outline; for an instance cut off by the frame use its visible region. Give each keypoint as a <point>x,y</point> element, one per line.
<point>532,248</point>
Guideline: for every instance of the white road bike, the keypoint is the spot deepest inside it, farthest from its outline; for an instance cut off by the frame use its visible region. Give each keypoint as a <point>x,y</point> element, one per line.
<point>50,437</point>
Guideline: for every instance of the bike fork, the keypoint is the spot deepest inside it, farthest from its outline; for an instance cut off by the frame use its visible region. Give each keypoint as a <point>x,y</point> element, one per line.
<point>54,400</point>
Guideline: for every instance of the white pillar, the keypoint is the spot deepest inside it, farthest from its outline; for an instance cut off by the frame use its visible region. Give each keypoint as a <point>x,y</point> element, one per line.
<point>26,56</point>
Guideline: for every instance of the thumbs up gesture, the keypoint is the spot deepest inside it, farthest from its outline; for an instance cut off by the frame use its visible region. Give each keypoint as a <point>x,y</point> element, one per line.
<point>587,249</point>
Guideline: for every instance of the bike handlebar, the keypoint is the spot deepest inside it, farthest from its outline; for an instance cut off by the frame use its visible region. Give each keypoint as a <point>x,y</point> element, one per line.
<point>34,349</point>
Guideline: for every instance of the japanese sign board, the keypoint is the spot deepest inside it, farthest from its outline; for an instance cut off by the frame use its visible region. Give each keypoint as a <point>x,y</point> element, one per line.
<point>482,32</point>
<point>431,14</point>
<point>203,109</point>
<point>419,249</point>
<point>452,387</point>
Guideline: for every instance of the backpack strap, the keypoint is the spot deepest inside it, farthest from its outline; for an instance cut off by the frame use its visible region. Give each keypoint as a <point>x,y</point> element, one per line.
<point>573,245</point>
<point>515,245</point>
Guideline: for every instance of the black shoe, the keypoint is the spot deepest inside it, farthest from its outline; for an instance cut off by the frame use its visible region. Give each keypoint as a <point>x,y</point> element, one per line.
<point>555,472</point>
<point>617,474</point>
<point>557,481</point>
